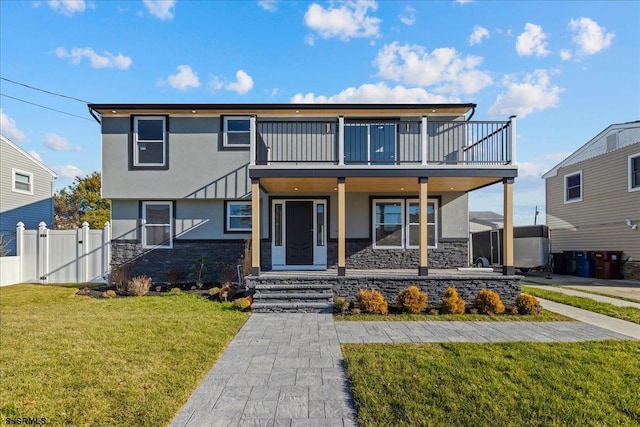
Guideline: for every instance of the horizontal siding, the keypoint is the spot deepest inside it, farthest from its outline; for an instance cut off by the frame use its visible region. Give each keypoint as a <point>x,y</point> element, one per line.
<point>597,222</point>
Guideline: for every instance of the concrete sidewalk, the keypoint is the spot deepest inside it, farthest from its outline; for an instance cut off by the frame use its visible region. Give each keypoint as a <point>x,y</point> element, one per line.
<point>609,300</point>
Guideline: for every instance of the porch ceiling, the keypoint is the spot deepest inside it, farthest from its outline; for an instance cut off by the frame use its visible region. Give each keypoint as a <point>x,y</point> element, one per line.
<point>397,185</point>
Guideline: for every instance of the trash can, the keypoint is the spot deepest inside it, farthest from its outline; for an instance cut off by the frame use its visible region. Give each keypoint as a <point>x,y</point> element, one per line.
<point>570,266</point>
<point>583,261</point>
<point>558,263</point>
<point>607,264</point>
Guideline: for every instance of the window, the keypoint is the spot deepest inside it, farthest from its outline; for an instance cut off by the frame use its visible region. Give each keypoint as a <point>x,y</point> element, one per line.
<point>22,182</point>
<point>149,141</point>
<point>396,223</point>
<point>634,172</point>
<point>238,216</point>
<point>573,187</point>
<point>237,131</point>
<point>157,224</point>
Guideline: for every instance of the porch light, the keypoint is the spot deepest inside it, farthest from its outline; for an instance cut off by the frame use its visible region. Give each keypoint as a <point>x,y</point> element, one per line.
<point>113,111</point>
<point>295,188</point>
<point>193,111</point>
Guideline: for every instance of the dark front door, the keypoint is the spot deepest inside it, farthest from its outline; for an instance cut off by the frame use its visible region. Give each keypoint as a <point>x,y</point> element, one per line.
<point>299,233</point>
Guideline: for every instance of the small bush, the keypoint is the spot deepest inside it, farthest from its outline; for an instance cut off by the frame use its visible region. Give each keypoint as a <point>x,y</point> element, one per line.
<point>175,290</point>
<point>411,300</point>
<point>119,276</point>
<point>242,303</point>
<point>214,291</point>
<point>528,304</point>
<point>226,290</point>
<point>372,302</point>
<point>139,285</point>
<point>488,302</point>
<point>356,311</point>
<point>341,305</point>
<point>109,294</point>
<point>175,276</point>
<point>451,302</point>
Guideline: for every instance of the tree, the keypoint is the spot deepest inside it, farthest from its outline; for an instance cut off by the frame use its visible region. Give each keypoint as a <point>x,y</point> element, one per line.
<point>81,202</point>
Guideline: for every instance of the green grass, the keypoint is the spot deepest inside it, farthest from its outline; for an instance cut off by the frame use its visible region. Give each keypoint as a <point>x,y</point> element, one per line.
<point>602,294</point>
<point>545,316</point>
<point>125,361</point>
<point>508,384</point>
<point>630,314</point>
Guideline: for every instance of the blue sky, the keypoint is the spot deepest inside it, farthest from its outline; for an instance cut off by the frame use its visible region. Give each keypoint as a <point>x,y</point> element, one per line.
<point>566,69</point>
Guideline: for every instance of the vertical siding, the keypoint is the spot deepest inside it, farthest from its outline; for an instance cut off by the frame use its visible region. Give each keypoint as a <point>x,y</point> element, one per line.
<point>596,222</point>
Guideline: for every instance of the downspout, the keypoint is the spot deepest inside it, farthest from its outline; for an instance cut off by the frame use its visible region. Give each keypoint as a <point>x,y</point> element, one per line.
<point>93,115</point>
<point>473,111</point>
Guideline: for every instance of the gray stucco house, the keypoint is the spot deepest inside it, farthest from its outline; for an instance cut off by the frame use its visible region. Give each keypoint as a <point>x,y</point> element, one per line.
<point>321,187</point>
<point>26,191</point>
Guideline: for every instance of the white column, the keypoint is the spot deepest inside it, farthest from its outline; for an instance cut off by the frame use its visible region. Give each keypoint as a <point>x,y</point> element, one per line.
<point>106,250</point>
<point>252,141</point>
<point>43,253</point>
<point>512,148</point>
<point>84,258</point>
<point>340,140</point>
<point>424,139</point>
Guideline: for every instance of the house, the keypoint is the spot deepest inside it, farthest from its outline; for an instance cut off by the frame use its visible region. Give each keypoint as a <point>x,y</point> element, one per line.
<point>593,197</point>
<point>321,187</point>
<point>484,220</point>
<point>26,191</point>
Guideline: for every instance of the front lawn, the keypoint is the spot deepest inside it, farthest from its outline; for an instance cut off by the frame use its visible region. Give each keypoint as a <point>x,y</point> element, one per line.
<point>508,384</point>
<point>630,314</point>
<point>125,361</point>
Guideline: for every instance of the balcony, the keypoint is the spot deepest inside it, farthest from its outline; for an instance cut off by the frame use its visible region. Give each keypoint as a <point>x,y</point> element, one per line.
<point>383,143</point>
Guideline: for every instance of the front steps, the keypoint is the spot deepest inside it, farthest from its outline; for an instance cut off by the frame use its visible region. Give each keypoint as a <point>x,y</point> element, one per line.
<point>270,297</point>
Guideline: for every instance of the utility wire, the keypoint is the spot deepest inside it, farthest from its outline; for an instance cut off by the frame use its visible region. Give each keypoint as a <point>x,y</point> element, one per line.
<point>45,91</point>
<point>46,108</point>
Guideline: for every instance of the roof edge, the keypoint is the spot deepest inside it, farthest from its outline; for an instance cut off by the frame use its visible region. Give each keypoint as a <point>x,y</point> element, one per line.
<point>29,156</point>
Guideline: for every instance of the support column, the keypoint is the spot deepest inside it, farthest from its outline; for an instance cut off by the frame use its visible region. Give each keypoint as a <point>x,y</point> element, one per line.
<point>341,228</point>
<point>255,227</point>
<point>423,268</point>
<point>507,236</point>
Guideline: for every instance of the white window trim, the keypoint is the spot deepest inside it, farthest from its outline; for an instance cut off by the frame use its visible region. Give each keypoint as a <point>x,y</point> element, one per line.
<point>14,172</point>
<point>136,119</point>
<point>565,195</point>
<point>631,157</point>
<point>228,216</point>
<point>169,244</point>
<point>225,132</point>
<point>435,224</point>
<point>402,222</point>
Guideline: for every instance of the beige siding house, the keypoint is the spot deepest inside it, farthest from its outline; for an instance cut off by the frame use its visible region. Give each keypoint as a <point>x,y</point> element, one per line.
<point>593,197</point>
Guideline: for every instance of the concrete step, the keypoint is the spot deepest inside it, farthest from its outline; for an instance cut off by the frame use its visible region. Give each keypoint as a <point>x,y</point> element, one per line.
<point>294,295</point>
<point>292,287</point>
<point>291,307</point>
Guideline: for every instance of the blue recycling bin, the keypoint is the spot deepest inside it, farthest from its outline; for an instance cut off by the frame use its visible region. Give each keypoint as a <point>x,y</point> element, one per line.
<point>584,264</point>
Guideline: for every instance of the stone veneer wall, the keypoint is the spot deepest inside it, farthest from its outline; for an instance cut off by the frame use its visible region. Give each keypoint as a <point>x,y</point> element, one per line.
<point>155,263</point>
<point>508,287</point>
<point>451,253</point>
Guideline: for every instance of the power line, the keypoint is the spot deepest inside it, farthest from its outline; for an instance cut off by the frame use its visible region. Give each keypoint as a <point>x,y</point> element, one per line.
<point>46,108</point>
<point>45,91</point>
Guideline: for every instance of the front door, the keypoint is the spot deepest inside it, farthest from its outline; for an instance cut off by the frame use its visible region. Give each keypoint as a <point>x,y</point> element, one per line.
<point>299,229</point>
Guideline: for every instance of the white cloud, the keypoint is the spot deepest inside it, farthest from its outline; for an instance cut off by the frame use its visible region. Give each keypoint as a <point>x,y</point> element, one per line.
<point>464,1</point>
<point>243,83</point>
<point>478,34</point>
<point>184,79</point>
<point>565,55</point>
<point>310,40</point>
<point>161,9</point>
<point>533,93</point>
<point>408,17</point>
<point>589,36</point>
<point>67,7</point>
<point>268,5</point>
<point>443,67</point>
<point>108,60</point>
<point>9,129</point>
<point>58,143</point>
<point>35,155</point>
<point>348,20</point>
<point>68,171</point>
<point>374,93</point>
<point>532,41</point>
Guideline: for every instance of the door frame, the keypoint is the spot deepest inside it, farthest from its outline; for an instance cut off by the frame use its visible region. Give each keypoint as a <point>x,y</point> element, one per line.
<point>279,234</point>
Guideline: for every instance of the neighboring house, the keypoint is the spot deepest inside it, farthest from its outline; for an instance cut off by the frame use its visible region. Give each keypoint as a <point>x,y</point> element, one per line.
<point>26,191</point>
<point>593,196</point>
<point>484,220</point>
<point>342,186</point>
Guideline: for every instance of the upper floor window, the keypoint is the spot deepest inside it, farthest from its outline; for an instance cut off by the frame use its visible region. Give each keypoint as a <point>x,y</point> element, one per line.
<point>149,141</point>
<point>396,223</point>
<point>157,224</point>
<point>634,172</point>
<point>22,182</point>
<point>573,187</point>
<point>237,131</point>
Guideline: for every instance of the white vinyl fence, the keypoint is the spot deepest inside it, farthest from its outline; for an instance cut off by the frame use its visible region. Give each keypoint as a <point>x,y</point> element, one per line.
<point>58,256</point>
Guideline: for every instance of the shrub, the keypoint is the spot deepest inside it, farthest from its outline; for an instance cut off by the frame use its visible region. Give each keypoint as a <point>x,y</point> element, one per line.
<point>372,302</point>
<point>226,290</point>
<point>120,276</point>
<point>175,276</point>
<point>139,285</point>
<point>411,300</point>
<point>109,294</point>
<point>341,305</point>
<point>451,302</point>
<point>175,290</point>
<point>214,291</point>
<point>242,303</point>
<point>488,302</point>
<point>528,304</point>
